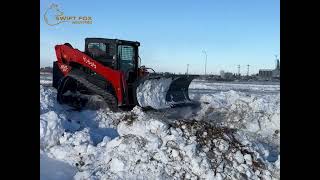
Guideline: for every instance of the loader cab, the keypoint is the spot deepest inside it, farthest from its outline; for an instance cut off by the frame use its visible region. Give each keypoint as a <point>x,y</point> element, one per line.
<point>117,54</point>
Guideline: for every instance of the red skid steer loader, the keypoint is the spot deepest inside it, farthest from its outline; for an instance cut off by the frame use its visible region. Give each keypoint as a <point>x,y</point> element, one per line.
<point>109,71</point>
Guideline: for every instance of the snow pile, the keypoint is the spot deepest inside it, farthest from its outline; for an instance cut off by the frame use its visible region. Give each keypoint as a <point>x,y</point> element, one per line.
<point>256,117</point>
<point>254,113</point>
<point>150,147</point>
<point>50,129</point>
<point>65,134</point>
<point>47,99</point>
<point>152,93</point>
<point>52,169</point>
<point>50,123</point>
<point>232,135</point>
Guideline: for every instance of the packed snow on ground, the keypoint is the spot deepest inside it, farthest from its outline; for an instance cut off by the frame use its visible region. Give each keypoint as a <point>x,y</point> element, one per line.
<point>52,169</point>
<point>45,78</point>
<point>207,87</point>
<point>232,135</point>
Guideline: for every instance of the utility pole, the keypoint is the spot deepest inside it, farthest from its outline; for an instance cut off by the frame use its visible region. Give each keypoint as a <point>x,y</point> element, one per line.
<point>187,68</point>
<point>205,64</point>
<point>277,62</point>
<point>239,70</point>
<point>248,70</point>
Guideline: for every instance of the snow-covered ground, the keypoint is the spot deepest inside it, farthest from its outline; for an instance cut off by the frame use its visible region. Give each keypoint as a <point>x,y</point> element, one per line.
<point>252,88</point>
<point>45,78</point>
<point>234,134</point>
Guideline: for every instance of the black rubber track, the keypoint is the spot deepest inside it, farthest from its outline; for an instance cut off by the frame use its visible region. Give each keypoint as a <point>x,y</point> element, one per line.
<point>108,97</point>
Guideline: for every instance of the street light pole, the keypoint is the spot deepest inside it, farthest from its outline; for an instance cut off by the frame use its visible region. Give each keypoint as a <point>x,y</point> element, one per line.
<point>187,68</point>
<point>205,65</point>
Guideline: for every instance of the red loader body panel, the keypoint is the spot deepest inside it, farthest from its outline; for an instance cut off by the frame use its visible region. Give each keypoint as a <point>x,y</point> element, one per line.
<point>66,54</point>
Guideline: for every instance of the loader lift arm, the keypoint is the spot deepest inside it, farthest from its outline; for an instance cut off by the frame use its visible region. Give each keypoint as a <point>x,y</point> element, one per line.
<point>69,58</point>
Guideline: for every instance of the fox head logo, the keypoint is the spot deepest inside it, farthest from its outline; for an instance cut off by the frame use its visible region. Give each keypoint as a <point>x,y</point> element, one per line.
<point>52,14</point>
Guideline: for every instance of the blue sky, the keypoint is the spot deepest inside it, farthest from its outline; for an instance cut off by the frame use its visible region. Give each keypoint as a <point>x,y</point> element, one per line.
<point>173,33</point>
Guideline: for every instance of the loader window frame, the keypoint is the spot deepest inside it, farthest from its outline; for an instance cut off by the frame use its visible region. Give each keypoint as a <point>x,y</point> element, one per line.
<point>126,55</point>
<point>99,49</point>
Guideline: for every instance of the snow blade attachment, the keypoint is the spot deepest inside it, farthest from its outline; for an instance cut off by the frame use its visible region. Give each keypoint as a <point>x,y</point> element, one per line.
<point>164,91</point>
